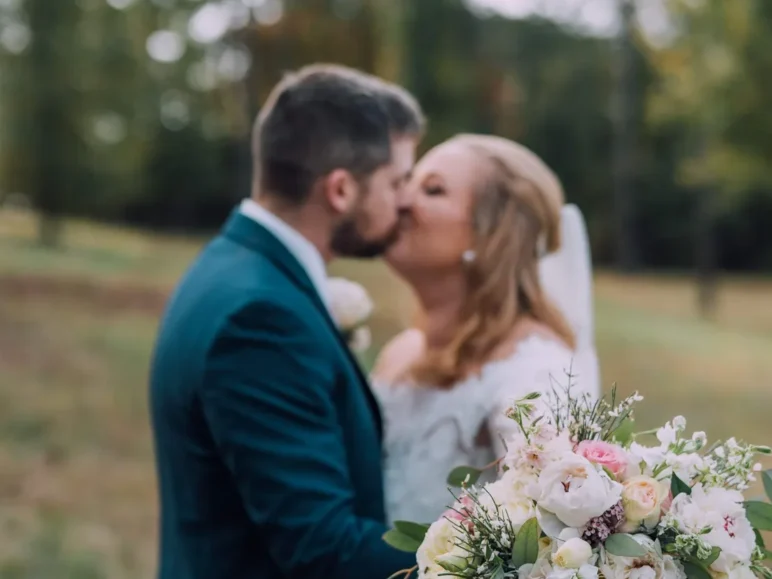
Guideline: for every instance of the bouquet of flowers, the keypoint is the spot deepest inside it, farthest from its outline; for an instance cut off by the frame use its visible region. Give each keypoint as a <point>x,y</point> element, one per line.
<point>580,496</point>
<point>351,308</point>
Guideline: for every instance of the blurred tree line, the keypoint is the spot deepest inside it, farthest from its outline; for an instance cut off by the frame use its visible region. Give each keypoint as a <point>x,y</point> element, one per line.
<point>139,111</point>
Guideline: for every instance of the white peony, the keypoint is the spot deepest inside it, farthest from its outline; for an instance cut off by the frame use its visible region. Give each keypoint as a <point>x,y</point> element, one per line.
<point>575,491</point>
<point>439,541</point>
<point>653,565</point>
<point>349,303</point>
<point>508,494</point>
<point>722,510</point>
<point>741,572</point>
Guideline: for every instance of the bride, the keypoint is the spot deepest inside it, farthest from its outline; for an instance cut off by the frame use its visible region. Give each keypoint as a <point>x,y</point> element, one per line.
<point>501,271</point>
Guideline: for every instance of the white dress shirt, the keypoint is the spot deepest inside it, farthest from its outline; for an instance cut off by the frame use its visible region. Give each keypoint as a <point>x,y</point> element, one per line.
<point>302,249</point>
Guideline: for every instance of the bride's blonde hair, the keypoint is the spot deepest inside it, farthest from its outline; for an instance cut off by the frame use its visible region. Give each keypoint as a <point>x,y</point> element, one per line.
<point>515,218</point>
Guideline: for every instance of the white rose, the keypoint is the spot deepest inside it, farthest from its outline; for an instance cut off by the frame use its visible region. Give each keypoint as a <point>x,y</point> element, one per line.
<point>642,498</point>
<point>584,572</point>
<point>456,561</point>
<point>645,572</point>
<point>361,339</point>
<point>572,554</point>
<point>722,510</point>
<point>539,570</point>
<point>575,491</point>
<point>439,540</point>
<point>349,303</point>
<point>653,565</point>
<point>508,493</point>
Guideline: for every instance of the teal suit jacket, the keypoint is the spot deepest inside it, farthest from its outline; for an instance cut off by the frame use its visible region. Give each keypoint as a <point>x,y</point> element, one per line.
<point>267,436</point>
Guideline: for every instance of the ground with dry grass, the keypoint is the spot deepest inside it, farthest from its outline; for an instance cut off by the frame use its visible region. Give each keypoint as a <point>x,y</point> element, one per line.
<point>77,489</point>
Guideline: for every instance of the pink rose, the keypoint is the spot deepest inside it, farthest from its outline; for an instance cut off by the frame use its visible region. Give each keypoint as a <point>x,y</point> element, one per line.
<point>604,454</point>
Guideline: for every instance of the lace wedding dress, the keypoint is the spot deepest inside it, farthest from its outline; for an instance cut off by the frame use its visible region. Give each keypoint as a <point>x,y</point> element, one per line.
<point>429,431</point>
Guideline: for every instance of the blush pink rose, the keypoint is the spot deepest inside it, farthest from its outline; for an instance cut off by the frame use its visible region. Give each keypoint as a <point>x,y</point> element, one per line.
<point>604,454</point>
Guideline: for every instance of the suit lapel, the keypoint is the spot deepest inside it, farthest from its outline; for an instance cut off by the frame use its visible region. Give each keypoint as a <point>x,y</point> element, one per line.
<point>254,236</point>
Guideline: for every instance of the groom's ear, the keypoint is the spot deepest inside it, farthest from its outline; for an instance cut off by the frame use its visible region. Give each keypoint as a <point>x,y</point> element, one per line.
<point>341,190</point>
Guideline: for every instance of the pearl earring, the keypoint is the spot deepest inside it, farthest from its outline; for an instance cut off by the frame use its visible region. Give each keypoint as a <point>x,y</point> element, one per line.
<point>469,256</point>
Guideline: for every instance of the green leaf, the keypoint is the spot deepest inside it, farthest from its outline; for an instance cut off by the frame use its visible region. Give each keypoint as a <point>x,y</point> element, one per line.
<point>714,554</point>
<point>695,570</point>
<point>498,573</point>
<point>526,547</point>
<point>463,476</point>
<point>766,476</point>
<point>759,514</point>
<point>759,539</point>
<point>624,432</point>
<point>400,541</point>
<point>610,474</point>
<point>415,531</point>
<point>623,545</point>
<point>678,487</point>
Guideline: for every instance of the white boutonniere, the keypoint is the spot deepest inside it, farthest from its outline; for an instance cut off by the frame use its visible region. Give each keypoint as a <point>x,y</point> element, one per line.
<point>351,308</point>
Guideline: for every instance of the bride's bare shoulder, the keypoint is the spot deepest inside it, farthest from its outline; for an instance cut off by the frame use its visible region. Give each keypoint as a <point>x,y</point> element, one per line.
<point>398,355</point>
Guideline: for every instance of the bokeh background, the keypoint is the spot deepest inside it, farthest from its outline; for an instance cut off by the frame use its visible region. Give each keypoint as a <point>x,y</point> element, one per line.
<point>124,129</point>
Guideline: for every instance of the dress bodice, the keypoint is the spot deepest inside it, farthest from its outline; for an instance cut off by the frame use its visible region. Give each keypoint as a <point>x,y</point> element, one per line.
<point>429,431</point>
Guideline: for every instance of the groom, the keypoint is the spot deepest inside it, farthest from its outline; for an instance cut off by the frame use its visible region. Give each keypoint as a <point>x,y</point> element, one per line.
<point>267,437</point>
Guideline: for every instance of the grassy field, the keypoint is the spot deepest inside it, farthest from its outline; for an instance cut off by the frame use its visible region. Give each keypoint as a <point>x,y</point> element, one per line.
<point>77,489</point>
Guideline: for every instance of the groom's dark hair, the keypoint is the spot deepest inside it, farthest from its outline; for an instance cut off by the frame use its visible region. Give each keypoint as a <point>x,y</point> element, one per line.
<point>325,117</point>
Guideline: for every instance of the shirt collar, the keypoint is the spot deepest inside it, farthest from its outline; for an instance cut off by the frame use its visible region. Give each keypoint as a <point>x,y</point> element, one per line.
<point>302,249</point>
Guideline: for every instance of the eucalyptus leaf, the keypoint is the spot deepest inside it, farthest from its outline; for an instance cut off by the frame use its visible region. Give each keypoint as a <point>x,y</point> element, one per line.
<point>766,476</point>
<point>464,476</point>
<point>678,487</point>
<point>759,514</point>
<point>623,545</point>
<point>415,531</point>
<point>400,541</point>
<point>714,554</point>
<point>526,547</point>
<point>695,571</point>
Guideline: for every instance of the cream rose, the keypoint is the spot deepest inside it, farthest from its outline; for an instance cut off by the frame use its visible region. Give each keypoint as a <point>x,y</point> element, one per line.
<point>508,494</point>
<point>572,554</point>
<point>642,498</point>
<point>439,541</point>
<point>575,491</point>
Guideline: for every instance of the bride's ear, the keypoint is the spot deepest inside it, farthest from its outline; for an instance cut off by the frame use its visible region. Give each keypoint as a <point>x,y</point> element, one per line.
<point>340,191</point>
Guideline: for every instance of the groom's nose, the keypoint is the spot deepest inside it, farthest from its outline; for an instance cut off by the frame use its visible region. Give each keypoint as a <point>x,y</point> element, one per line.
<point>406,198</point>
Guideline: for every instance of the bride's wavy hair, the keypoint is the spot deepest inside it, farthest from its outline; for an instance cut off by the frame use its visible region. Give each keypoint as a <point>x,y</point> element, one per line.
<point>516,220</point>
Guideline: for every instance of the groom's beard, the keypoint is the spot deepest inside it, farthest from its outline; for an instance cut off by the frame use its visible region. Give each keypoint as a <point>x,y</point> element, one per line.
<point>348,241</point>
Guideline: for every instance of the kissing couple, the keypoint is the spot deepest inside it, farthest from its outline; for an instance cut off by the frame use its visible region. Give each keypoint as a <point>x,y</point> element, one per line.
<point>272,455</point>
